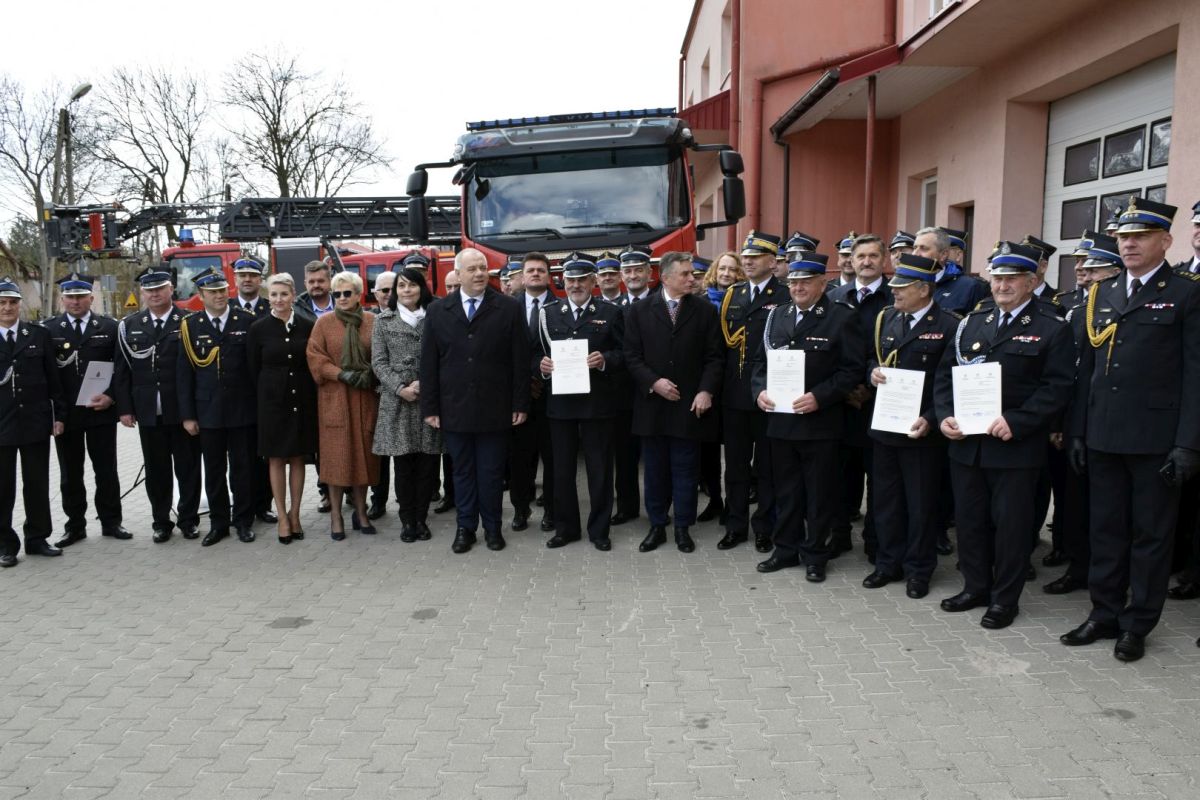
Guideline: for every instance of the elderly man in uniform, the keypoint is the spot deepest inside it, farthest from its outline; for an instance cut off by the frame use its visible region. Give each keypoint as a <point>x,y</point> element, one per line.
<point>744,315</point>
<point>1132,428</point>
<point>805,439</point>
<point>583,419</point>
<point>995,473</point>
<point>673,352</point>
<point>32,408</point>
<point>213,380</point>
<point>147,395</point>
<point>80,339</point>
<point>248,272</point>
<point>911,334</point>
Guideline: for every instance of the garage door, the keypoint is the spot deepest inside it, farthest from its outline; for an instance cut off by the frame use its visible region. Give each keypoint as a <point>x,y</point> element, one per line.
<point>1105,144</point>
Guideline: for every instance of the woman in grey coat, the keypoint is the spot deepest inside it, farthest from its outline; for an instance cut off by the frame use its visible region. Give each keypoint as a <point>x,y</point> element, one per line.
<point>400,431</point>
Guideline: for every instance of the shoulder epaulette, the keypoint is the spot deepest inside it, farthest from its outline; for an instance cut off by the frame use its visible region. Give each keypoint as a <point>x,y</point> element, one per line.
<point>1191,276</point>
<point>980,308</point>
<point>954,315</point>
<point>846,303</point>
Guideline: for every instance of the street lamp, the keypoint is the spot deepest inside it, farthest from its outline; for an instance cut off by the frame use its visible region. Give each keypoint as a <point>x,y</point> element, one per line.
<point>63,146</point>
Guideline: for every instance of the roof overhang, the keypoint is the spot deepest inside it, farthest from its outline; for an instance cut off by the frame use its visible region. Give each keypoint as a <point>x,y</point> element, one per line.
<point>709,119</point>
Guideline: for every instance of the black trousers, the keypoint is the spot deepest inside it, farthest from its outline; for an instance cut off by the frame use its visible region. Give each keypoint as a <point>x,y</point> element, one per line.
<point>232,449</point>
<point>1051,483</point>
<point>747,452</point>
<point>1076,542</point>
<point>994,510</point>
<point>35,489</point>
<point>1187,532</point>
<point>857,480</point>
<point>672,466</point>
<point>1133,515</point>
<point>710,470</point>
<point>416,476</point>
<point>907,488</point>
<point>479,460</point>
<point>169,450</point>
<point>531,443</point>
<point>100,442</point>
<point>806,498</point>
<point>627,450</point>
<point>595,436</point>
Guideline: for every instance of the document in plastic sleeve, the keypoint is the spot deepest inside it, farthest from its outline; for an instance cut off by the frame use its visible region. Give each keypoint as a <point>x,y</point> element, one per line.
<point>785,378</point>
<point>977,396</point>
<point>898,402</point>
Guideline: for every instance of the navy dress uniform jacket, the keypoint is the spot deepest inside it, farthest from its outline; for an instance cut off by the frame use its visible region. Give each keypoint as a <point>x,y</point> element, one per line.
<point>742,314</point>
<point>475,375</point>
<point>141,379</point>
<point>689,353</point>
<point>31,395</point>
<point>1037,359</point>
<point>834,363</point>
<point>74,354</point>
<point>221,395</point>
<point>603,326</point>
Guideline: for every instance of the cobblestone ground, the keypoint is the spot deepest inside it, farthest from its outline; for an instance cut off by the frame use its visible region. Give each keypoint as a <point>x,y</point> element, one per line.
<point>372,668</point>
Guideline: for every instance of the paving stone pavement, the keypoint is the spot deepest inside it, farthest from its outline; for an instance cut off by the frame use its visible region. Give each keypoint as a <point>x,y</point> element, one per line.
<point>371,668</point>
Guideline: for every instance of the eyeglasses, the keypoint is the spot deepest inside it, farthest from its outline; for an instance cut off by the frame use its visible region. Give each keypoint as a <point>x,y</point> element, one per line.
<point>383,291</point>
<point>342,294</point>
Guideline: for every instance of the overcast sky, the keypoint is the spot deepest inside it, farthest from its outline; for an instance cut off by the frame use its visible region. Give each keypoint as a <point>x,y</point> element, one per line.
<point>419,69</point>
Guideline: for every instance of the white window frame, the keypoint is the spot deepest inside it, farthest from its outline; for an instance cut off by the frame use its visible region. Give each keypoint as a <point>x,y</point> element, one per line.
<point>928,215</point>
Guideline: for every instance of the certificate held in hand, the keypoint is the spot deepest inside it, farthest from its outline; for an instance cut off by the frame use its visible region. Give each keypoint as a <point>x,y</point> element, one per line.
<point>977,402</point>
<point>570,367</point>
<point>898,401</point>
<point>785,378</point>
<point>95,381</point>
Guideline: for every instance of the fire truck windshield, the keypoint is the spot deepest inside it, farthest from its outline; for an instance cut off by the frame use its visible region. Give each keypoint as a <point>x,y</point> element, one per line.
<point>188,268</point>
<point>607,193</point>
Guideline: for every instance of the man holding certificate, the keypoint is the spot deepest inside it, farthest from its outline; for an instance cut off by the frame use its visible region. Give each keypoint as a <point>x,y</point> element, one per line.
<point>813,355</point>
<point>1000,388</point>
<point>909,340</point>
<point>581,360</point>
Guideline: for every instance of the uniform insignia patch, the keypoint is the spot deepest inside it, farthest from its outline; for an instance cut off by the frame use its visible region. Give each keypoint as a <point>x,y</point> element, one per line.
<point>989,318</point>
<point>1025,320</point>
<point>928,336</point>
<point>976,346</point>
<point>1027,339</point>
<point>1159,306</point>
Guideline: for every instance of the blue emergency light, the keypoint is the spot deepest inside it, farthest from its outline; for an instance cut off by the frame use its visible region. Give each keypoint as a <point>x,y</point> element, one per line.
<point>561,119</point>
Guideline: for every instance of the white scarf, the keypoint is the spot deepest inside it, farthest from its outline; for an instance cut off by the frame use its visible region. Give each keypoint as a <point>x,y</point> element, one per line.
<point>411,318</point>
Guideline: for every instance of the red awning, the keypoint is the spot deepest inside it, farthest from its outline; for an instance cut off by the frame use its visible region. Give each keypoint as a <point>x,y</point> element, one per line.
<point>711,114</point>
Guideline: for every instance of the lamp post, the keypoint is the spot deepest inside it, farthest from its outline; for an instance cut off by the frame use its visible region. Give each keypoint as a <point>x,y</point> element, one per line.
<point>64,150</point>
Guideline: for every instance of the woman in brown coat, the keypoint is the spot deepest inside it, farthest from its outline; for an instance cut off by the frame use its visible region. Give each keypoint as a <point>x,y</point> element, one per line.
<point>339,356</point>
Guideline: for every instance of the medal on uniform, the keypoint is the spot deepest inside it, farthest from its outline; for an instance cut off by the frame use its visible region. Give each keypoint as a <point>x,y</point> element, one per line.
<point>975,347</point>
<point>1025,320</point>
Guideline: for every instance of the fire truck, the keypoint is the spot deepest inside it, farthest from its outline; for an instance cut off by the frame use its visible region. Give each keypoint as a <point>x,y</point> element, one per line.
<point>577,182</point>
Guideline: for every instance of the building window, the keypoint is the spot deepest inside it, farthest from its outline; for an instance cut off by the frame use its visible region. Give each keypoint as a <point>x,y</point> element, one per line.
<point>1077,216</point>
<point>929,202</point>
<point>936,6</point>
<point>1157,194</point>
<point>1082,163</point>
<point>1123,152</point>
<point>1160,144</point>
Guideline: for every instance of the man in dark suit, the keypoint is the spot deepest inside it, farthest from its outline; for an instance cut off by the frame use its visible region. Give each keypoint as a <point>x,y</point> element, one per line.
<point>80,339</point>
<point>31,411</point>
<point>583,418</point>
<point>147,394</point>
<point>1192,264</point>
<point>1043,290</point>
<point>1132,427</point>
<point>674,353</point>
<point>995,473</point>
<point>217,403</point>
<point>475,389</point>
<point>806,437</point>
<point>744,315</point>
<point>1187,539</point>
<point>912,335</point>
<point>531,439</point>
<point>248,272</point>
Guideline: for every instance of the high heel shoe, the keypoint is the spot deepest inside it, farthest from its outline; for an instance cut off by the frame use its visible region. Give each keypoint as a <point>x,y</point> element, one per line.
<point>284,525</point>
<point>337,536</point>
<point>354,523</point>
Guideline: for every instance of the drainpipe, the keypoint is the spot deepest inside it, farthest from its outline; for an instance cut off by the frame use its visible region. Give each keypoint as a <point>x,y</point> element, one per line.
<point>869,192</point>
<point>735,97</point>
<point>787,187</point>
<point>679,104</point>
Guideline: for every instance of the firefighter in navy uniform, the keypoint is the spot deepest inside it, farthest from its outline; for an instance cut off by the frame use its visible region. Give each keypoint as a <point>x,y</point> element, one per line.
<point>1134,429</point>
<point>995,473</point>
<point>81,338</point>
<point>215,402</point>
<point>583,421</point>
<point>146,390</point>
<point>744,313</point>
<point>804,443</point>
<point>249,272</point>
<point>912,335</point>
<point>32,408</point>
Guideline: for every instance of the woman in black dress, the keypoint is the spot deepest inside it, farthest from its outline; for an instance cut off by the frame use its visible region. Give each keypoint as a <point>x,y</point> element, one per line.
<point>287,400</point>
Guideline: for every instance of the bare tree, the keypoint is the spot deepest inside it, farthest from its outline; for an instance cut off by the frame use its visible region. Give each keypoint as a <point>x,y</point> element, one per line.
<point>305,133</point>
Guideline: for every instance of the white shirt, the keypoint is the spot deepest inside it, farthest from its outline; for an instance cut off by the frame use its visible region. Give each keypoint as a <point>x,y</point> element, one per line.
<point>466,308</point>
<point>246,305</point>
<point>1195,265</point>
<point>645,293</point>
<point>1012,315</point>
<point>4,331</point>
<point>224,318</point>
<point>321,311</point>
<point>1145,279</point>
<point>912,318</point>
<point>85,319</point>
<point>667,298</point>
<point>1041,287</point>
<point>541,302</point>
<point>873,286</point>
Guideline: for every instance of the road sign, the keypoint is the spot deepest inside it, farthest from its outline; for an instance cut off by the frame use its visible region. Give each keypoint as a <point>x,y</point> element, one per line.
<point>131,303</point>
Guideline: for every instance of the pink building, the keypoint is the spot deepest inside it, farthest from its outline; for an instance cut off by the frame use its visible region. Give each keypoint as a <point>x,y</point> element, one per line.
<point>1001,117</point>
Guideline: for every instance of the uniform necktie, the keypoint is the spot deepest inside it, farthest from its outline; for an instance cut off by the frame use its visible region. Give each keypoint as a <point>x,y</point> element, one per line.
<point>1134,286</point>
<point>217,324</point>
<point>158,326</point>
<point>533,314</point>
<point>470,307</point>
<point>1007,318</point>
<point>905,324</point>
<point>754,295</point>
<point>578,313</point>
<point>11,338</point>
<point>79,327</point>
<point>673,309</point>
<point>250,306</point>
<point>799,316</point>
<point>863,294</point>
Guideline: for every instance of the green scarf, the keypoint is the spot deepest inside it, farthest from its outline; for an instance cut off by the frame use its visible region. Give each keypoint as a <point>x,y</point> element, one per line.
<point>354,356</point>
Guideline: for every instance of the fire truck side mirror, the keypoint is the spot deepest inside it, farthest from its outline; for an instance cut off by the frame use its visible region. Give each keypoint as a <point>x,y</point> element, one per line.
<point>418,218</point>
<point>418,183</point>
<point>731,163</point>
<point>733,194</point>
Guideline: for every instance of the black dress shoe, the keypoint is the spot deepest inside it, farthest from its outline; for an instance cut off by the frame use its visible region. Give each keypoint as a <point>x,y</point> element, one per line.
<point>540,500</point>
<point>213,536</point>
<point>712,511</point>
<point>376,510</point>
<point>7,560</point>
<point>423,532</point>
<point>190,532</point>
<point>1065,585</point>
<point>41,548</point>
<point>1030,572</point>
<point>494,540</point>
<point>520,520</point>
<point>656,536</point>
<point>560,540</point>
<point>964,602</point>
<point>944,546</point>
<point>916,588</point>
<point>463,539</point>
<point>620,518</point>
<point>877,580</point>
<point>245,534</point>
<point>161,535</point>
<point>547,523</point>
<point>752,496</point>
<point>268,516</point>
<point>1129,647</point>
<point>117,533</point>
<point>408,534</point>
<point>1185,590</point>
<point>776,563</point>
<point>71,538</point>
<point>603,545</point>
<point>814,573</point>
<point>731,540</point>
<point>997,617</point>
<point>840,545</point>
<point>1055,558</point>
<point>870,554</point>
<point>1089,632</point>
<point>444,506</point>
<point>763,544</point>
<point>683,539</point>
